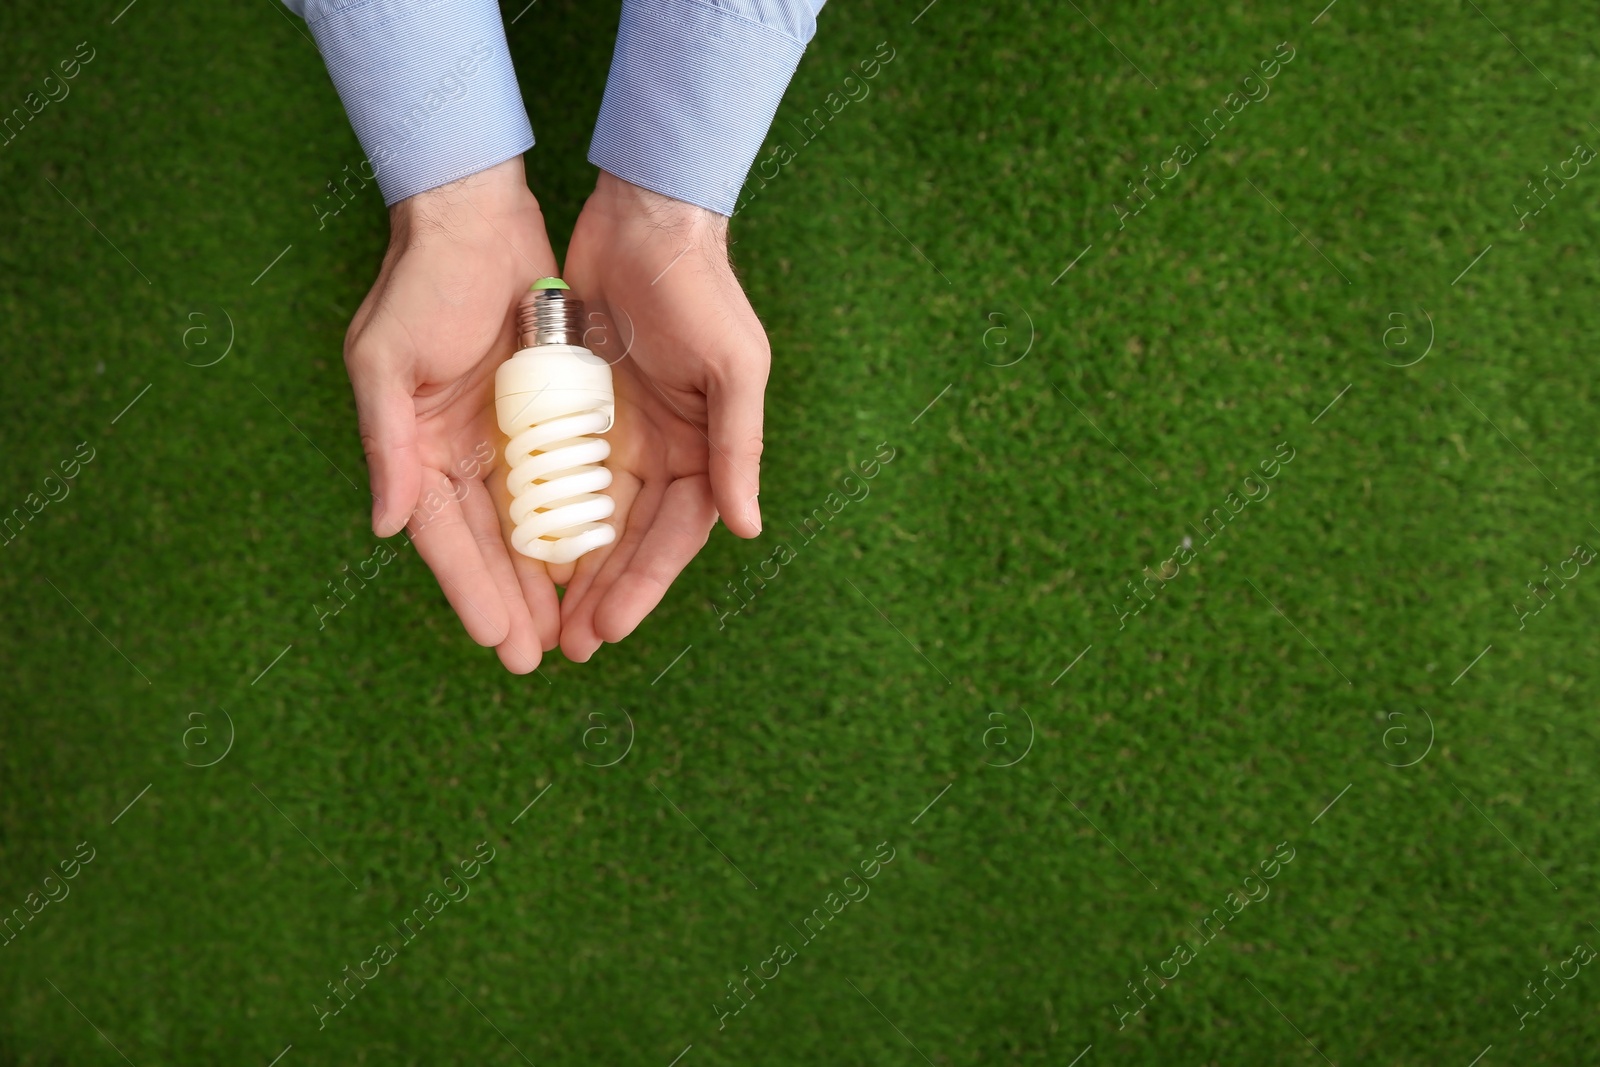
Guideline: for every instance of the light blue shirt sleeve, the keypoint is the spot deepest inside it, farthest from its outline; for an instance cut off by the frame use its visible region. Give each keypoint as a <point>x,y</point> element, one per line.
<point>693,90</point>
<point>428,86</point>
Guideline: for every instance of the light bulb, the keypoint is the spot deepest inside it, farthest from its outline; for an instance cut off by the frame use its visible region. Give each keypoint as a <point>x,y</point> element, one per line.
<point>552,399</point>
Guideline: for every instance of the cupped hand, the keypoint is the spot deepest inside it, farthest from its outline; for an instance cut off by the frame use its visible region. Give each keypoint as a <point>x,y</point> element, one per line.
<point>689,362</point>
<point>421,352</point>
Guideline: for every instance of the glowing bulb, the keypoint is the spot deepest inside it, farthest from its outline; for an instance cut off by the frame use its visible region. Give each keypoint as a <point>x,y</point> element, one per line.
<point>552,399</point>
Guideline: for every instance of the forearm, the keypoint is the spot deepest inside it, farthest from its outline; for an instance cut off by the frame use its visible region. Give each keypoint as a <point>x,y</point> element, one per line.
<point>428,86</point>
<point>693,90</point>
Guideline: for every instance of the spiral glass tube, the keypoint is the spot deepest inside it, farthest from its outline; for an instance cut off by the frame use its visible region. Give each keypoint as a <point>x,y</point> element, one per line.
<point>552,400</point>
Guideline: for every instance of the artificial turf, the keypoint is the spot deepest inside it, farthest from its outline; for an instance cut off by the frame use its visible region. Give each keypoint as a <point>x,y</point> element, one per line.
<point>1056,433</point>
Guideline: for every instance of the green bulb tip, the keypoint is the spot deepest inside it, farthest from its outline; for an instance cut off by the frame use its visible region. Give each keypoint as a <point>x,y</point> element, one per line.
<point>549,283</point>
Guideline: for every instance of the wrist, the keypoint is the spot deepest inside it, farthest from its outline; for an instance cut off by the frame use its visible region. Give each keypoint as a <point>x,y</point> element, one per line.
<point>621,199</point>
<point>480,208</point>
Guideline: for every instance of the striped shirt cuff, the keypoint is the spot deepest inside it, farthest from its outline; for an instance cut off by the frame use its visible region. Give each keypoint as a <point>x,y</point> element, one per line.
<point>428,86</point>
<point>693,90</point>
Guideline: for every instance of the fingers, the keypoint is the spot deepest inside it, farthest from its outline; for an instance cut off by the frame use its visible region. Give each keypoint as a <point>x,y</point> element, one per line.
<point>538,590</point>
<point>680,529</point>
<point>388,421</point>
<point>735,411</point>
<point>448,545</point>
<point>597,572</point>
<point>521,649</point>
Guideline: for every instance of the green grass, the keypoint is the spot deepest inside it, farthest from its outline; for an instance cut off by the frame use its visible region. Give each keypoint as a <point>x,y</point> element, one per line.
<point>1164,366</point>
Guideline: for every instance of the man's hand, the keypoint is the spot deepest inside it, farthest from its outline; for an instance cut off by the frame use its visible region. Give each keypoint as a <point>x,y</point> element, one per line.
<point>690,364</point>
<point>422,351</point>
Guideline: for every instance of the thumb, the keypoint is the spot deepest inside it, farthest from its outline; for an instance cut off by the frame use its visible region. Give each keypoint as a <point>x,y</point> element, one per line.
<point>735,405</point>
<point>388,420</point>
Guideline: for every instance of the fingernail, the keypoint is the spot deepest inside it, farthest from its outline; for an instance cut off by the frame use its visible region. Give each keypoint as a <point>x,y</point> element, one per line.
<point>753,511</point>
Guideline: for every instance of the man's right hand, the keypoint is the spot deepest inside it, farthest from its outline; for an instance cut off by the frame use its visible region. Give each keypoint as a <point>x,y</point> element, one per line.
<point>422,351</point>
